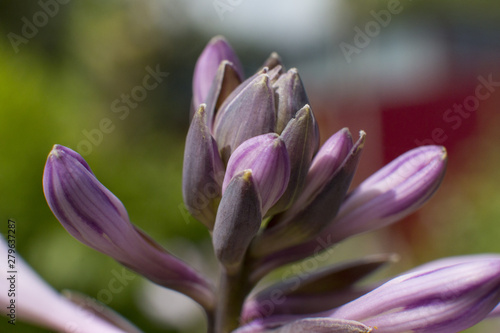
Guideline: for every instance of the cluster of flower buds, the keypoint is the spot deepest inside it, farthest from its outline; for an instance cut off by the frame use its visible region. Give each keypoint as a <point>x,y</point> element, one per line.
<point>255,176</point>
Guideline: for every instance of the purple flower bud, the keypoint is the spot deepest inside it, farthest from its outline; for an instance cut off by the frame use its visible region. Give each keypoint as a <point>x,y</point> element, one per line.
<point>292,97</point>
<point>327,182</point>
<point>313,292</point>
<point>94,216</point>
<point>238,220</point>
<point>226,81</point>
<point>217,50</point>
<point>300,140</point>
<point>247,112</point>
<point>273,61</point>
<point>393,192</point>
<point>266,156</point>
<point>309,325</point>
<point>325,164</point>
<point>436,300</point>
<point>202,172</point>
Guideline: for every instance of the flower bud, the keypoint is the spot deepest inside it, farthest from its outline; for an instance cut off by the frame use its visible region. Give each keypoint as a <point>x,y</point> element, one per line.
<point>226,81</point>
<point>300,141</point>
<point>247,112</point>
<point>94,216</point>
<point>292,97</point>
<point>273,61</point>
<point>202,171</point>
<point>217,50</point>
<point>439,299</point>
<point>393,192</point>
<point>266,156</point>
<point>238,219</point>
<point>327,182</point>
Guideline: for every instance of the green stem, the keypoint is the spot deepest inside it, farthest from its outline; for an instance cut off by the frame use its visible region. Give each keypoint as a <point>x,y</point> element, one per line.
<point>233,289</point>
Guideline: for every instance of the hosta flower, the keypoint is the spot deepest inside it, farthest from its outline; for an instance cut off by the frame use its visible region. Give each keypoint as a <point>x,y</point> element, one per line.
<point>94,216</point>
<point>437,299</point>
<point>217,51</point>
<point>255,175</point>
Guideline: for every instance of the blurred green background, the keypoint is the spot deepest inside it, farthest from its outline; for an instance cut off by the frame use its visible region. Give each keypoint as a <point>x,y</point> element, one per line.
<point>60,79</point>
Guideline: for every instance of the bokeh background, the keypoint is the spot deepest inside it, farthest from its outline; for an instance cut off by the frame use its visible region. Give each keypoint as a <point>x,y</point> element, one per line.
<point>407,78</point>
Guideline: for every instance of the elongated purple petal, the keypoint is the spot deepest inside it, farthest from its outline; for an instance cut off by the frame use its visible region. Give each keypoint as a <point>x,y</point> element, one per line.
<point>393,192</point>
<point>202,171</point>
<point>325,164</point>
<point>38,303</point>
<point>267,157</point>
<point>316,291</point>
<point>238,219</point>
<point>300,140</point>
<point>217,50</point>
<point>225,82</point>
<point>292,98</point>
<point>246,113</point>
<point>93,215</point>
<point>306,325</point>
<point>310,215</point>
<point>438,300</point>
<point>323,325</point>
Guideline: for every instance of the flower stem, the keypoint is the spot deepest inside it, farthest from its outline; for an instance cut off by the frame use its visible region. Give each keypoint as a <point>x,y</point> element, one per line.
<point>232,292</point>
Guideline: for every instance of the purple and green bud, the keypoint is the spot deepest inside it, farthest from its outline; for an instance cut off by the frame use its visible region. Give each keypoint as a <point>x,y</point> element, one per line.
<point>216,51</point>
<point>267,157</point>
<point>393,192</point>
<point>327,182</point>
<point>433,300</point>
<point>226,81</point>
<point>300,140</point>
<point>97,218</point>
<point>202,172</point>
<point>238,220</point>
<point>292,97</point>
<point>246,113</point>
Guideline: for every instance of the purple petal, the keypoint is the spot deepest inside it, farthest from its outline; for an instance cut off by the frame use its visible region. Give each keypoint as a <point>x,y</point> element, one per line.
<point>395,191</point>
<point>308,217</point>
<point>246,113</point>
<point>325,164</point>
<point>202,171</point>
<point>314,292</point>
<point>93,215</point>
<point>217,50</point>
<point>292,98</point>
<point>438,300</point>
<point>87,209</point>
<point>225,82</point>
<point>267,157</point>
<point>300,141</point>
<point>238,219</point>
<point>40,304</point>
<point>306,325</point>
